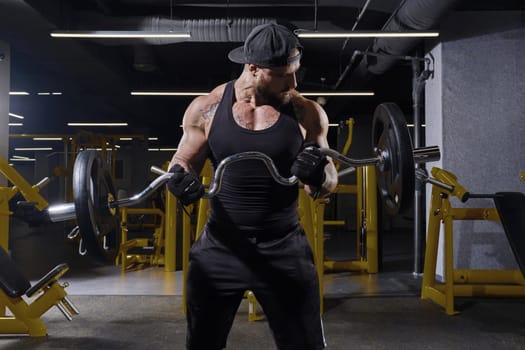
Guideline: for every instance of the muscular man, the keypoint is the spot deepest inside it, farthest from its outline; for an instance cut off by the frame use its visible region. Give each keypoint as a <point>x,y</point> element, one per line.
<point>252,239</point>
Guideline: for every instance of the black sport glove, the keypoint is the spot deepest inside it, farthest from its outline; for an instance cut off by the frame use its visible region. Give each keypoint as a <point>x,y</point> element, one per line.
<point>187,187</point>
<point>309,165</point>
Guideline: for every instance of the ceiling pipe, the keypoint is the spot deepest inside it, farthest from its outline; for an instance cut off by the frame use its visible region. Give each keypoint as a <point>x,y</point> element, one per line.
<point>410,15</point>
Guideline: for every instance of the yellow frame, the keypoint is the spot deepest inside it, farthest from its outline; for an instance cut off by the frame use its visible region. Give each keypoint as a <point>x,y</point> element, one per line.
<point>460,283</point>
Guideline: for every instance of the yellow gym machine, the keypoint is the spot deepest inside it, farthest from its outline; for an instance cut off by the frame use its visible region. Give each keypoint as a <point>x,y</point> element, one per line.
<point>462,282</point>
<point>365,190</point>
<point>16,291</point>
<point>145,247</point>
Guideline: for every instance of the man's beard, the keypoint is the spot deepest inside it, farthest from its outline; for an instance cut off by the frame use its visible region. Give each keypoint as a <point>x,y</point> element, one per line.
<point>275,100</point>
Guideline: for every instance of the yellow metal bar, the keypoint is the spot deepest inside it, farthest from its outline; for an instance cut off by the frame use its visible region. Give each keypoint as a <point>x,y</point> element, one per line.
<point>522,175</point>
<point>203,210</point>
<point>347,265</point>
<point>186,244</point>
<point>486,290</point>
<point>306,216</point>
<point>334,222</point>
<point>474,214</point>
<point>348,142</point>
<point>170,233</point>
<point>489,276</point>
<point>5,195</point>
<point>342,188</point>
<point>24,324</point>
<point>371,219</point>
<point>449,266</point>
<point>359,211</point>
<point>432,245</point>
<point>319,247</point>
<point>29,192</point>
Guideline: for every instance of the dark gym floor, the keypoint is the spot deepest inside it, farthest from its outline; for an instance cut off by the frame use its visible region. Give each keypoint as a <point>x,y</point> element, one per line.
<point>142,309</point>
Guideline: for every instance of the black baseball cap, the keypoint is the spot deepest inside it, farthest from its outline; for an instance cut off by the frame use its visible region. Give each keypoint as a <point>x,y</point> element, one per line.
<point>268,45</point>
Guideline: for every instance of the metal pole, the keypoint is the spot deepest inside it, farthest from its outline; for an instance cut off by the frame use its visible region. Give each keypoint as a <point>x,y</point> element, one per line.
<point>418,83</point>
<point>418,200</point>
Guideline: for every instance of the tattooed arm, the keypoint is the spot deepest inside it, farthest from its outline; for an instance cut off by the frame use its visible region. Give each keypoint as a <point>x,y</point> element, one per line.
<point>192,150</point>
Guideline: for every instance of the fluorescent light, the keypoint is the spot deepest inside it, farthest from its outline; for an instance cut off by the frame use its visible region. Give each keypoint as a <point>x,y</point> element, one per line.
<point>120,34</point>
<point>153,138</point>
<point>18,93</point>
<point>333,124</point>
<point>169,93</point>
<point>200,93</point>
<point>22,159</point>
<point>15,124</point>
<point>49,93</point>
<point>370,34</point>
<point>16,116</point>
<point>412,125</point>
<point>33,148</point>
<point>47,139</point>
<point>162,149</point>
<point>341,93</point>
<point>126,138</point>
<point>97,124</point>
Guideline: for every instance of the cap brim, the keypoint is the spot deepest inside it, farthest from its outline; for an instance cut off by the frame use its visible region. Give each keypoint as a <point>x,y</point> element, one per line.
<point>237,55</point>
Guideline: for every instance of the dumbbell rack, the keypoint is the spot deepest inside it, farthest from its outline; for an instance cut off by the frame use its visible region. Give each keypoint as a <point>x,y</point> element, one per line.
<point>459,283</point>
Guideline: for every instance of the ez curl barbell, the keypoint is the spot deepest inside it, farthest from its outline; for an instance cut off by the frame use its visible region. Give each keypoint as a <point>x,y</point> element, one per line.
<point>96,206</point>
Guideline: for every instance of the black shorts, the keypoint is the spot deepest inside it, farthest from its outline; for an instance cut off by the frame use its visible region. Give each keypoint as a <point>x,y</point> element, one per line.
<point>282,275</point>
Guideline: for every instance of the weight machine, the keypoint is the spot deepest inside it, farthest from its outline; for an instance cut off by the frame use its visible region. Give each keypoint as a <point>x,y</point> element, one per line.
<point>509,210</point>
<point>15,288</point>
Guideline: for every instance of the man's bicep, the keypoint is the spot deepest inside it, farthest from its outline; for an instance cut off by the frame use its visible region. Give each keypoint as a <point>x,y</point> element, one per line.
<point>193,146</point>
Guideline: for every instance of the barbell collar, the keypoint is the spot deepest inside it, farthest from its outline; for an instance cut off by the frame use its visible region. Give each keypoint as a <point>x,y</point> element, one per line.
<point>62,212</point>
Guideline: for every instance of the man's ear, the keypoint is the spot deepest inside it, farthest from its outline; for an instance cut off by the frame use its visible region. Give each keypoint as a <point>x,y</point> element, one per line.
<point>252,68</point>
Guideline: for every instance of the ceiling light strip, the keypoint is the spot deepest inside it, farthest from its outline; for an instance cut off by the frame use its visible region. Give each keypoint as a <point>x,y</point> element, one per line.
<point>97,124</point>
<point>18,93</point>
<point>197,93</point>
<point>341,93</point>
<point>18,116</point>
<point>22,159</point>
<point>33,148</point>
<point>119,34</point>
<point>169,93</point>
<point>372,34</point>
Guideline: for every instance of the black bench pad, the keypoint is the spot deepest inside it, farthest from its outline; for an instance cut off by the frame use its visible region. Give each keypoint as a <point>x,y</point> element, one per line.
<point>511,209</point>
<point>12,280</point>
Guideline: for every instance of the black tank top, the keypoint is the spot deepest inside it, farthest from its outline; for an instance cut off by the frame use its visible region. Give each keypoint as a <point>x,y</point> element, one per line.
<point>250,199</point>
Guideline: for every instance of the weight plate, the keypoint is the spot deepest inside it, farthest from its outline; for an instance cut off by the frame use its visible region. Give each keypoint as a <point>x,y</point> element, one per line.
<point>396,173</point>
<point>99,225</point>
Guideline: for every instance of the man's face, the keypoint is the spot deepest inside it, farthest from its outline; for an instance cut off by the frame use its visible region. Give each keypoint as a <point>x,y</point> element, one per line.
<point>275,84</point>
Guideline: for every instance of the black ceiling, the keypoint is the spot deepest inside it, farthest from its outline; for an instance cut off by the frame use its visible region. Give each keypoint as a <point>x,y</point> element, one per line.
<point>96,77</point>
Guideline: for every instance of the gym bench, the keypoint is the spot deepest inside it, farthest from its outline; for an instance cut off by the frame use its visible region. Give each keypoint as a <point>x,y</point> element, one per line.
<point>16,291</point>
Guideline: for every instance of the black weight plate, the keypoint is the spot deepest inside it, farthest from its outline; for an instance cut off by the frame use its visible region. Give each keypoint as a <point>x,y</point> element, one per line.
<point>93,188</point>
<point>396,177</point>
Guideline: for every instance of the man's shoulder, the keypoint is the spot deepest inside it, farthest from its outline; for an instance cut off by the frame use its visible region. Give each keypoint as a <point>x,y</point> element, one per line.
<point>210,99</point>
<point>304,107</point>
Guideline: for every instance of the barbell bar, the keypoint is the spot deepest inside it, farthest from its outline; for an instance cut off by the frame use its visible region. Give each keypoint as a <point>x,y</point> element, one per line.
<point>96,207</point>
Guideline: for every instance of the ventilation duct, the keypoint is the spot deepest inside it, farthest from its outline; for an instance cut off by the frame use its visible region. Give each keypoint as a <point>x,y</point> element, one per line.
<point>411,15</point>
<point>201,30</point>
